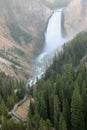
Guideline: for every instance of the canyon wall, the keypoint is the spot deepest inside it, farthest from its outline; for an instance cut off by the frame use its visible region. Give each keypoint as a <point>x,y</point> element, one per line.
<point>22,26</point>
<point>75,17</point>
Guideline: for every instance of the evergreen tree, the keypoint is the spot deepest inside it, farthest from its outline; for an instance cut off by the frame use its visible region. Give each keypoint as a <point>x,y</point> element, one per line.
<point>66,113</point>
<point>42,125</point>
<point>43,108</point>
<point>29,122</point>
<point>68,73</point>
<point>77,116</point>
<point>4,124</point>
<point>79,80</point>
<point>84,97</point>
<point>59,87</point>
<point>48,125</point>
<point>32,107</point>
<point>45,125</point>
<point>10,102</point>
<point>35,121</point>
<point>3,109</point>
<point>56,111</point>
<point>62,123</point>
<point>64,127</point>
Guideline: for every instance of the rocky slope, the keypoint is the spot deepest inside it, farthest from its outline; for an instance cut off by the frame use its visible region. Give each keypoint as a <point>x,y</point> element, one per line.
<point>22,25</point>
<point>55,4</point>
<point>75,16</point>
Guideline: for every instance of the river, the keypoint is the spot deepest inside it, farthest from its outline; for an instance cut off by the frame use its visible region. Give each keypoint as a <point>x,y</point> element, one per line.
<point>53,41</point>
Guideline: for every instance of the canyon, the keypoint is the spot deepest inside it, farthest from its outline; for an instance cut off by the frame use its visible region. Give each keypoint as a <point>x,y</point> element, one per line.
<point>22,31</point>
<point>22,27</point>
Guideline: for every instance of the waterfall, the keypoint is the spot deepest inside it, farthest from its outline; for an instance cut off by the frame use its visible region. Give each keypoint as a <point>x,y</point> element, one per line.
<point>53,35</point>
<point>53,40</point>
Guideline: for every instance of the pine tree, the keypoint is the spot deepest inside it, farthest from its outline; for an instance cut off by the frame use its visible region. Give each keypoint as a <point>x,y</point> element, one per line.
<point>4,124</point>
<point>42,125</point>
<point>43,109</point>
<point>68,73</point>
<point>35,121</point>
<point>64,127</point>
<point>62,123</point>
<point>66,112</point>
<point>77,117</point>
<point>29,121</point>
<point>84,97</point>
<point>59,87</point>
<point>79,80</point>
<point>10,102</point>
<point>32,107</point>
<point>48,125</point>
<point>3,109</point>
<point>56,111</point>
<point>45,125</point>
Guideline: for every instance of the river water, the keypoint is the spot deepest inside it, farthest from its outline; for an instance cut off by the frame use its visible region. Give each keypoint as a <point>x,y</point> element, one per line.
<point>53,41</point>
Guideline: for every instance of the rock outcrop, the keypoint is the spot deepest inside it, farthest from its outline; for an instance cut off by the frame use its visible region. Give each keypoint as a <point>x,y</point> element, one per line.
<point>75,17</point>
<point>22,26</point>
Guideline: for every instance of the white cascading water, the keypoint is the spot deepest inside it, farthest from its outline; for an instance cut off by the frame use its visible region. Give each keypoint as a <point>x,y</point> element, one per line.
<point>53,35</point>
<point>53,41</point>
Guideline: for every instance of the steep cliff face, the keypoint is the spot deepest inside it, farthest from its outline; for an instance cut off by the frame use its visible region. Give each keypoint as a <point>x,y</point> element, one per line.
<point>31,15</point>
<point>75,15</point>
<point>22,26</point>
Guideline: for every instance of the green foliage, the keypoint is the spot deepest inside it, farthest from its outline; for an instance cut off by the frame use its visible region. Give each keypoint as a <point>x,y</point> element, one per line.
<point>10,102</point>
<point>21,90</point>
<point>64,96</point>
<point>84,97</point>
<point>56,111</point>
<point>61,96</point>
<point>4,124</point>
<point>29,122</point>
<point>72,54</point>
<point>62,123</point>
<point>77,116</point>
<point>3,109</point>
<point>37,123</point>
<point>12,125</point>
<point>8,97</point>
<point>66,113</point>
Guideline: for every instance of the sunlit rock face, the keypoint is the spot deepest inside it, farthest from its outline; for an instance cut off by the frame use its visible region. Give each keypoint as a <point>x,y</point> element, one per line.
<point>75,17</point>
